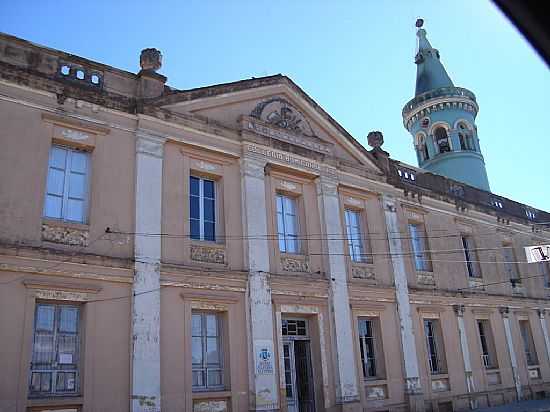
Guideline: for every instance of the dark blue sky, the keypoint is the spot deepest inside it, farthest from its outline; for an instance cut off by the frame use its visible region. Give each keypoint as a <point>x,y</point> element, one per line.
<point>355,58</point>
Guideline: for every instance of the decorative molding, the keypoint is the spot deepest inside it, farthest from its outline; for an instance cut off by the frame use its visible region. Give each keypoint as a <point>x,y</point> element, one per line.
<point>353,201</point>
<point>541,313</point>
<point>211,306</point>
<point>65,234</point>
<point>459,310</point>
<point>208,254</point>
<point>440,385</point>
<point>504,311</point>
<point>412,385</point>
<point>288,185</point>
<point>376,392</point>
<point>425,278</point>
<point>281,113</point>
<point>61,291</point>
<point>209,167</point>
<point>294,265</point>
<point>253,168</point>
<point>362,272</point>
<point>210,406</point>
<point>74,134</point>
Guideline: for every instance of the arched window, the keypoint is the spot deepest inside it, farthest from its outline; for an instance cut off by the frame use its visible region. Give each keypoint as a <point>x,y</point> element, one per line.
<point>442,140</point>
<point>422,147</point>
<point>465,137</point>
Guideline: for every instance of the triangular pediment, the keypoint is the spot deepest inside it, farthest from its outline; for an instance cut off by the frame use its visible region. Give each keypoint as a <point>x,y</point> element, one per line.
<point>276,108</point>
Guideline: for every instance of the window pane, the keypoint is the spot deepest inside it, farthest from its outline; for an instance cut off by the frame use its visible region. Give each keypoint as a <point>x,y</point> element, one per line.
<point>209,189</point>
<point>211,325</point>
<point>194,207</point>
<point>279,204</point>
<point>290,225</point>
<point>198,378</point>
<point>65,382</point>
<point>53,207</point>
<point>290,205</point>
<point>209,211</point>
<point>209,231</point>
<point>56,182</point>
<point>196,325</point>
<point>195,229</point>
<point>194,186</point>
<point>44,349</point>
<point>58,157</point>
<point>212,353</point>
<point>214,378</point>
<point>77,185</point>
<point>45,317</point>
<point>75,210</point>
<point>45,382</point>
<point>362,327</point>
<point>79,162</point>
<point>196,350</point>
<point>68,318</point>
<point>292,245</point>
<point>282,243</point>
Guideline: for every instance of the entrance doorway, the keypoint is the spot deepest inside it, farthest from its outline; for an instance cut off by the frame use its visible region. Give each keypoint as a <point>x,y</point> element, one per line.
<point>298,371</point>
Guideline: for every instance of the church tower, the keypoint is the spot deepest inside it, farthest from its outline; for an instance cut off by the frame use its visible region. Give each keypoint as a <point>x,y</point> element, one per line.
<point>441,119</point>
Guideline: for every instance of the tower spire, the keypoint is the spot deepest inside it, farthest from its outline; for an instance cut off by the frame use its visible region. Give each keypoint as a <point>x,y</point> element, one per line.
<point>430,73</point>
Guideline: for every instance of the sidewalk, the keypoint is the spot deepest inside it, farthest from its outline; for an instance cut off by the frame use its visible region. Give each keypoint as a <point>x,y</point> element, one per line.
<point>542,405</point>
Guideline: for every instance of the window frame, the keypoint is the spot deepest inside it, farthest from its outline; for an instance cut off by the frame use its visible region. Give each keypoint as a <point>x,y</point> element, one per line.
<point>510,263</point>
<point>373,366</point>
<point>67,171</point>
<point>437,139</point>
<point>487,344</point>
<point>284,238</point>
<point>420,247</point>
<point>202,199</point>
<point>473,267</point>
<point>56,335</point>
<point>529,348</point>
<point>358,247</point>
<point>204,367</point>
<point>435,347</point>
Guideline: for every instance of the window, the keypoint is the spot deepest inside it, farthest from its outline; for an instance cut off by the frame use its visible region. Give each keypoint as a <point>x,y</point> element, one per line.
<point>287,224</point>
<point>56,351</point>
<point>544,268</point>
<point>434,346</point>
<point>355,240</point>
<point>67,185</point>
<point>206,351</point>
<point>370,346</point>
<point>472,263</point>
<point>442,140</point>
<point>488,351</point>
<point>510,264</point>
<point>419,243</point>
<point>294,327</point>
<point>528,343</point>
<point>202,208</point>
<point>422,148</point>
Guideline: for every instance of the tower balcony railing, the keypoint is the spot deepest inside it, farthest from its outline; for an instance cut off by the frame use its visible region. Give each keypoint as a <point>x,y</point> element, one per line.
<point>441,92</point>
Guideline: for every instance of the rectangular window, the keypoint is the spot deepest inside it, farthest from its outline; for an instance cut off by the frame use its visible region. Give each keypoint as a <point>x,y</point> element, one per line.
<point>434,346</point>
<point>544,269</point>
<point>67,184</point>
<point>202,208</point>
<point>510,264</point>
<point>528,343</point>
<point>287,224</point>
<point>470,253</point>
<point>355,239</point>
<point>370,346</point>
<point>206,351</point>
<point>56,351</point>
<point>419,243</point>
<point>488,351</point>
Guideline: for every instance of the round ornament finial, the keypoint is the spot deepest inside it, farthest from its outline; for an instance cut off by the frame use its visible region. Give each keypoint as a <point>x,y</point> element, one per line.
<point>375,139</point>
<point>419,23</point>
<point>150,59</point>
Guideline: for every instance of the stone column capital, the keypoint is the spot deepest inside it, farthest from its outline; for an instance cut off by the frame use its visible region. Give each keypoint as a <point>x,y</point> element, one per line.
<point>504,311</point>
<point>253,167</point>
<point>459,310</point>
<point>149,143</point>
<point>541,312</point>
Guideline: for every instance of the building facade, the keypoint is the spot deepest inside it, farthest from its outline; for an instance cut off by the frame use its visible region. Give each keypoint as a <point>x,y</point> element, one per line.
<point>233,248</point>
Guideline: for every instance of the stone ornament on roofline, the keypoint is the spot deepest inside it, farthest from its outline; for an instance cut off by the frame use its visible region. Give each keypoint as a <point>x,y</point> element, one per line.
<point>150,59</point>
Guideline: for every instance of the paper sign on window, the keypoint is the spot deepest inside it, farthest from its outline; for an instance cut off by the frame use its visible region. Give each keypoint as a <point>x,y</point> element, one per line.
<point>65,358</point>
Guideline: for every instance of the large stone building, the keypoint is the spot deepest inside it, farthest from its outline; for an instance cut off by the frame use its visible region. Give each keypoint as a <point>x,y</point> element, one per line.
<point>233,248</point>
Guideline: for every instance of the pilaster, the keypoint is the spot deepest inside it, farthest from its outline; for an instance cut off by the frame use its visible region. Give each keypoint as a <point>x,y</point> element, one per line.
<point>263,384</point>
<point>459,311</point>
<point>333,245</point>
<point>146,287</point>
<point>505,312</point>
<point>542,319</point>
<point>413,387</point>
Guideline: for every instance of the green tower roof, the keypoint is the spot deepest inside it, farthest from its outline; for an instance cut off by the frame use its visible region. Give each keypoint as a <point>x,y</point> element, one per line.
<point>430,73</point>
